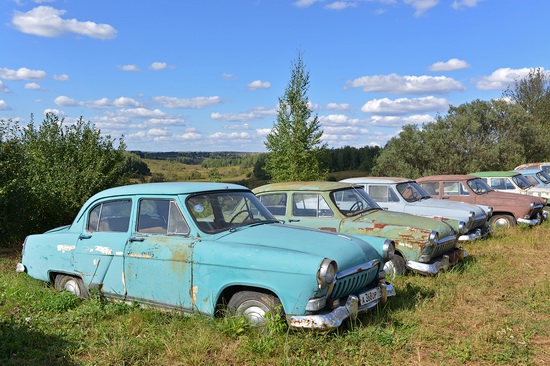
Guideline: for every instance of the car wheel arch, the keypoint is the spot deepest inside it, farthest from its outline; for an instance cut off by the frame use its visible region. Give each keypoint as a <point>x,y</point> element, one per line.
<point>227,293</point>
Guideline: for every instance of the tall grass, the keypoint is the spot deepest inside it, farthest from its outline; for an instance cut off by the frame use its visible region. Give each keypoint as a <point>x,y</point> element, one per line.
<point>492,310</point>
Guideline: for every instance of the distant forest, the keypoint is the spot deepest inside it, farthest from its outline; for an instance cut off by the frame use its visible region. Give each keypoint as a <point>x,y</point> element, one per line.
<point>336,159</point>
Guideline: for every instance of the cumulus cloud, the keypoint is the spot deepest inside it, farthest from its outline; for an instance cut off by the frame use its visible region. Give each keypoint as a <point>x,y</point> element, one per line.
<point>339,106</point>
<point>452,64</point>
<point>129,68</point>
<point>402,106</point>
<point>21,74</point>
<point>188,103</point>
<point>258,84</point>
<point>500,79</point>
<point>3,105</point>
<point>46,21</point>
<point>62,77</point>
<point>459,4</point>
<point>141,113</point>
<point>242,117</point>
<point>32,86</point>
<point>64,101</point>
<point>341,5</point>
<point>160,66</point>
<point>304,3</point>
<point>244,126</point>
<point>398,84</point>
<point>263,131</point>
<point>421,6</point>
<point>57,112</point>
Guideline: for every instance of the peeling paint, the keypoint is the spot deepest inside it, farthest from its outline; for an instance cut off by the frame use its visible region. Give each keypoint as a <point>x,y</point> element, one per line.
<point>140,255</point>
<point>104,250</point>
<point>65,248</point>
<point>194,295</point>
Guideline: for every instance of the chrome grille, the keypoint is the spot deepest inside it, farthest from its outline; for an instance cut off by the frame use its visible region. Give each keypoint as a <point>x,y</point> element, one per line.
<point>443,247</point>
<point>349,283</point>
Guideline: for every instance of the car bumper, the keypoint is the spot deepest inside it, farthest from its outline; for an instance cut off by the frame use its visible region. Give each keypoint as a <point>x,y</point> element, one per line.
<point>440,264</point>
<point>531,222</point>
<point>470,236</point>
<point>336,317</point>
<point>20,268</point>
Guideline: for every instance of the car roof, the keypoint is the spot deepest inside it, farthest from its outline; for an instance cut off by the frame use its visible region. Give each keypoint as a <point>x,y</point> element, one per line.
<point>531,165</point>
<point>376,180</point>
<point>302,186</point>
<point>166,188</point>
<point>496,174</point>
<point>446,177</point>
<point>528,171</point>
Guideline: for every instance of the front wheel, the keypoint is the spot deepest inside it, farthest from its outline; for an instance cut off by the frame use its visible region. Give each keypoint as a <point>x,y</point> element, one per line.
<point>254,306</point>
<point>395,267</point>
<point>72,284</point>
<point>502,221</point>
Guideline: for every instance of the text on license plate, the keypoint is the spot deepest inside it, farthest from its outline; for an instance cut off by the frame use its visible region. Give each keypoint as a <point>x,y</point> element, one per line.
<point>369,296</point>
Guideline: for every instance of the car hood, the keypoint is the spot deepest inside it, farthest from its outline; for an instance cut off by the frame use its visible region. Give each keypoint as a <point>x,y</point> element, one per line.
<point>346,250</point>
<point>383,217</point>
<point>450,209</point>
<point>496,199</point>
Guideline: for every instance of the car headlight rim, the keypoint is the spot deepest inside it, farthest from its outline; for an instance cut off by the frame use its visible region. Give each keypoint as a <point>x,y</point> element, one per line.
<point>434,237</point>
<point>326,275</point>
<point>388,249</point>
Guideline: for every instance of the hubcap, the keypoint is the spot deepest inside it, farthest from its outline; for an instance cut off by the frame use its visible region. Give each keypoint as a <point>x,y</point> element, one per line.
<point>255,314</point>
<point>502,223</point>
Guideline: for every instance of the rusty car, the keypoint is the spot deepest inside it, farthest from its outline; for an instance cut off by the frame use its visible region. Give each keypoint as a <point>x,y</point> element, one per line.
<point>423,245</point>
<point>211,248</point>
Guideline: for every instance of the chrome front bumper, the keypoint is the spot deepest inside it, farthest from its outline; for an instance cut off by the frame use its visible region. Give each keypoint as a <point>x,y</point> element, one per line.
<point>470,236</point>
<point>531,222</point>
<point>336,317</point>
<point>442,264</point>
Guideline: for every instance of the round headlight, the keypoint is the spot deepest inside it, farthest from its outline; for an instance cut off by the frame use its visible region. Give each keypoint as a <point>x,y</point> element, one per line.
<point>434,237</point>
<point>388,249</point>
<point>489,212</point>
<point>532,205</point>
<point>462,227</point>
<point>327,273</point>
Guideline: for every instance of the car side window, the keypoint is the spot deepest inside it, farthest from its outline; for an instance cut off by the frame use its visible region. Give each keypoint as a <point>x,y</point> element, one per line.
<point>432,188</point>
<point>310,205</point>
<point>379,193</point>
<point>161,216</point>
<point>111,216</point>
<point>275,203</point>
<point>451,188</point>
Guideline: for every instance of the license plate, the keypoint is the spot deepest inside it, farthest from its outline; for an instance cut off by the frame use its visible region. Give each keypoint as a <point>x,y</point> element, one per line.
<point>369,296</point>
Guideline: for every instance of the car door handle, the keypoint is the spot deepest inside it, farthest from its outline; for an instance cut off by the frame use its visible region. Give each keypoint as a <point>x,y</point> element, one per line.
<point>82,236</point>
<point>293,220</point>
<point>136,239</point>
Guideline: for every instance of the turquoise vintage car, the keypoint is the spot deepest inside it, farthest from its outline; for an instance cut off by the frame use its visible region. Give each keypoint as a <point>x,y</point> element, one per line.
<point>203,246</point>
<point>423,244</point>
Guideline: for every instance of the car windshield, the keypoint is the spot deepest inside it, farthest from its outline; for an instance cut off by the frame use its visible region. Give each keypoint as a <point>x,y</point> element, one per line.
<point>521,181</point>
<point>532,180</point>
<point>544,177</point>
<point>411,191</point>
<point>546,169</point>
<point>215,212</point>
<point>353,201</point>
<point>479,186</point>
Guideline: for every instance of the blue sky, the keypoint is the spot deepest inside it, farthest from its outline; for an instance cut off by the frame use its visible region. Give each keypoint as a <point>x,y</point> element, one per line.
<point>207,75</point>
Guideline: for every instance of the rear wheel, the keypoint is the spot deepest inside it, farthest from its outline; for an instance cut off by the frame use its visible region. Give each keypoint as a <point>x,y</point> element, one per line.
<point>69,283</point>
<point>395,267</point>
<point>254,306</point>
<point>502,221</point>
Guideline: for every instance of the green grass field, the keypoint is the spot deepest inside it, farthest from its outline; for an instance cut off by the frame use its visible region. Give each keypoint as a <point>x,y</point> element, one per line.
<point>492,310</point>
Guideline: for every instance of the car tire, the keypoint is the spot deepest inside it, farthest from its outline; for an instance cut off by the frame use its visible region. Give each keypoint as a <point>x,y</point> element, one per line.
<point>74,285</point>
<point>502,221</point>
<point>395,267</point>
<point>254,306</point>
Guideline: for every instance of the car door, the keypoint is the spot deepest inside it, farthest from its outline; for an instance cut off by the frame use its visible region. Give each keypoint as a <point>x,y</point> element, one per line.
<point>386,197</point>
<point>99,251</point>
<point>159,255</point>
<point>311,210</point>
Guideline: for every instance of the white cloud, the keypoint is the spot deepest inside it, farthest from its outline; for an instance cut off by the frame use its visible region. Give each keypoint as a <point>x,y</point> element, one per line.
<point>57,112</point>
<point>421,6</point>
<point>394,83</point>
<point>228,76</point>
<point>141,113</point>
<point>304,3</point>
<point>500,79</point>
<point>21,74</point>
<point>160,66</point>
<point>341,5</point>
<point>129,68</point>
<point>242,117</point>
<point>402,106</point>
<point>452,64</point>
<point>243,127</point>
<point>62,77</point>
<point>3,88</point>
<point>189,103</point>
<point>126,102</point>
<point>46,21</point>
<point>157,132</point>
<point>33,86</point>
<point>345,130</point>
<point>258,84</point>
<point>64,101</point>
<point>336,119</point>
<point>263,131</point>
<point>3,105</point>
<point>338,106</point>
<point>458,4</point>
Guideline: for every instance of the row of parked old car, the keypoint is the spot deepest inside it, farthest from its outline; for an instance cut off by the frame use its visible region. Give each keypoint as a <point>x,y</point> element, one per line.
<point>317,253</point>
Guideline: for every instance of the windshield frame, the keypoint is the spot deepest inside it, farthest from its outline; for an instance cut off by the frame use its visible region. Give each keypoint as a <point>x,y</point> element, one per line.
<point>543,177</point>
<point>208,210</point>
<point>487,187</point>
<point>417,192</point>
<point>362,204</point>
<point>521,181</point>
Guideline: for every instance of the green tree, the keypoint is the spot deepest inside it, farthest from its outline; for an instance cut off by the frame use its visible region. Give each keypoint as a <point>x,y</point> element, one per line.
<point>296,150</point>
<point>58,168</point>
